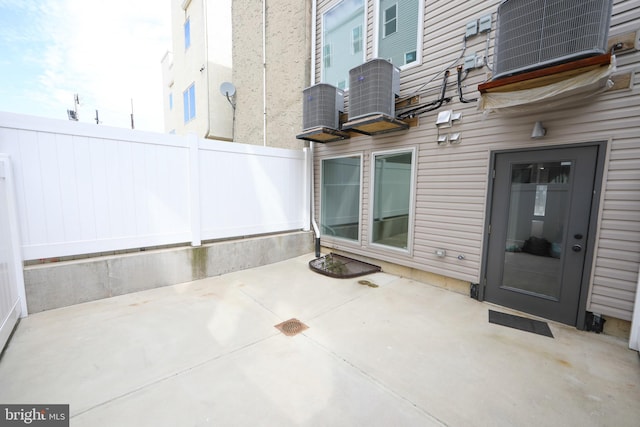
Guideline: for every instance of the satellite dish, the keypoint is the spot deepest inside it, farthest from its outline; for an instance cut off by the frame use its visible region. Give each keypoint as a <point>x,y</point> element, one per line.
<point>227,89</point>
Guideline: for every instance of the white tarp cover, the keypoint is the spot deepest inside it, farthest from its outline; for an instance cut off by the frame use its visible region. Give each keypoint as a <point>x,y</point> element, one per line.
<point>571,89</point>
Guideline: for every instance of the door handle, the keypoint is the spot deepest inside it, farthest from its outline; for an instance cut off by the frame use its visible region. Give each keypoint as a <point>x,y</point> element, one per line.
<point>576,248</point>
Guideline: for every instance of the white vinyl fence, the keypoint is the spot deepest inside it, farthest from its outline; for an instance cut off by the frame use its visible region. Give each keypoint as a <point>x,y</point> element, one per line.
<point>12,300</point>
<point>83,188</point>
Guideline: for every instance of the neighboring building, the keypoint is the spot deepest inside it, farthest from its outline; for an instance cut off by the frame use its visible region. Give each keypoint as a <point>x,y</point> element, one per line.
<point>271,66</point>
<point>342,42</point>
<point>548,226</point>
<point>200,61</point>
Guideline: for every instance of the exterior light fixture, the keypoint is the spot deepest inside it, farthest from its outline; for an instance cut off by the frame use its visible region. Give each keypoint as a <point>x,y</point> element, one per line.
<point>538,131</point>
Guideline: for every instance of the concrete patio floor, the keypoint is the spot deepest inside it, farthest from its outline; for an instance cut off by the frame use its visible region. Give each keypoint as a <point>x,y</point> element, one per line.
<point>403,354</point>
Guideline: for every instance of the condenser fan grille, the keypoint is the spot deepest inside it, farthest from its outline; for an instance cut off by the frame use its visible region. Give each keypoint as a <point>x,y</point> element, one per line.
<point>322,106</point>
<point>373,87</point>
<point>534,34</point>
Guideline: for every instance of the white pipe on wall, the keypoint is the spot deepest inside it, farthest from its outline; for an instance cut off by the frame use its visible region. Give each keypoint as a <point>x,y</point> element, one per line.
<point>312,79</point>
<point>264,73</point>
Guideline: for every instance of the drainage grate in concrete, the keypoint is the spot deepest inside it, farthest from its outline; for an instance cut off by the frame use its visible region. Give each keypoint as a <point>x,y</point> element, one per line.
<point>291,327</point>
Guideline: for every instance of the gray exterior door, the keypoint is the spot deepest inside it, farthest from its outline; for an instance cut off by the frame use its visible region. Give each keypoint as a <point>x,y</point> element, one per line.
<point>541,208</point>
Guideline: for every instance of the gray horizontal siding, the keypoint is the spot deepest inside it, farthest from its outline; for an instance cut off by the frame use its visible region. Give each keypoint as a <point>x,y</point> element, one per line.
<point>452,181</point>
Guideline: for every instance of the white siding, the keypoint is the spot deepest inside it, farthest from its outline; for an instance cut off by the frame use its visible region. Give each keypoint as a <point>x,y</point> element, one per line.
<point>452,181</point>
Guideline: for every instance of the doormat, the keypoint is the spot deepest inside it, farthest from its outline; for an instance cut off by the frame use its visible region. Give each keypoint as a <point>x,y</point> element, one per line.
<point>522,323</point>
<point>342,267</point>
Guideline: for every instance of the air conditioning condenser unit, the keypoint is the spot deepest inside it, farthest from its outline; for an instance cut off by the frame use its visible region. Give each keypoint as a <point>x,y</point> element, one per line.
<point>373,87</point>
<point>322,105</point>
<point>534,34</point>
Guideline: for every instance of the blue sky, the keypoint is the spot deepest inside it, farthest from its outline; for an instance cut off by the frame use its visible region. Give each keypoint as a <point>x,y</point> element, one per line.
<point>106,51</point>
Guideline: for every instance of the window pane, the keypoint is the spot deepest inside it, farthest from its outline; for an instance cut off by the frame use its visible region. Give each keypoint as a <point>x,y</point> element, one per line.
<point>410,57</point>
<point>390,13</point>
<point>400,18</point>
<point>192,101</point>
<point>189,103</point>
<point>340,198</point>
<point>538,206</point>
<point>185,105</point>
<point>337,32</point>
<point>326,56</point>
<point>392,199</point>
<point>187,34</point>
<point>390,21</point>
<point>170,101</point>
<point>356,39</point>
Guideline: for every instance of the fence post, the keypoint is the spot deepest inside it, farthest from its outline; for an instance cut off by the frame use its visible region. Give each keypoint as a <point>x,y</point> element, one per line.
<point>16,263</point>
<point>194,188</point>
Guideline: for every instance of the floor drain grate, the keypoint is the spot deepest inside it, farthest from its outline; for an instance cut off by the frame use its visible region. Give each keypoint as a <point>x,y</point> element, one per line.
<point>291,327</point>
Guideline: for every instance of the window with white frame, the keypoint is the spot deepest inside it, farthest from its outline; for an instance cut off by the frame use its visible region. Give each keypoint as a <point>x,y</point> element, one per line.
<point>399,31</point>
<point>410,57</point>
<point>189,103</point>
<point>340,197</point>
<point>356,39</point>
<point>187,34</point>
<point>392,194</point>
<point>390,20</point>
<point>338,30</point>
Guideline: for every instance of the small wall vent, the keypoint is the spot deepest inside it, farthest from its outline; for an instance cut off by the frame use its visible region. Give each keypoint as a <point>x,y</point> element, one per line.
<point>535,34</point>
<point>373,87</point>
<point>321,107</point>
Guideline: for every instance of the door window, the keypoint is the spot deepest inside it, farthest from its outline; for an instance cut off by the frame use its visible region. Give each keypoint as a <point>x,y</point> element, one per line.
<point>536,224</point>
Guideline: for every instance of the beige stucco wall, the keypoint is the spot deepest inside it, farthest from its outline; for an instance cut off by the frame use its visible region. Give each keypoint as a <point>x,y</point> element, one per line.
<point>287,50</point>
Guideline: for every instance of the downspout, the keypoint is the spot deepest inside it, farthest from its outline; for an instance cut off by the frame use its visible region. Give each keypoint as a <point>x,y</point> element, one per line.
<point>264,73</point>
<point>206,70</point>
<point>314,224</point>
<point>313,41</point>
